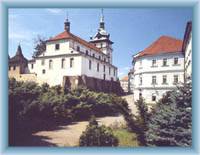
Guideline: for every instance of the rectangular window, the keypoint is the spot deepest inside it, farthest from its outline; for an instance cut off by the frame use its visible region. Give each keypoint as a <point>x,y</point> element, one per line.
<point>140,80</point>
<point>50,64</point>
<point>97,67</point>
<point>93,55</point>
<point>43,71</point>
<point>164,62</point>
<point>90,64</point>
<point>153,63</point>
<point>164,79</point>
<point>42,62</point>
<point>63,63</point>
<point>78,48</point>
<point>32,66</point>
<point>114,72</point>
<point>109,70</point>
<point>153,98</point>
<point>104,76</point>
<point>71,62</point>
<point>57,46</point>
<point>153,79</point>
<point>104,68</point>
<point>9,68</point>
<point>14,67</point>
<point>175,79</point>
<point>175,61</point>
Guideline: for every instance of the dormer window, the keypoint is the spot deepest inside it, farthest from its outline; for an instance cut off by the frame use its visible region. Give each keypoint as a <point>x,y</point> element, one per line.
<point>57,46</point>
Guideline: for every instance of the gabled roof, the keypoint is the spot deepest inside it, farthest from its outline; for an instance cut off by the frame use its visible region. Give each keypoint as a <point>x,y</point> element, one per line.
<point>164,44</point>
<point>68,35</point>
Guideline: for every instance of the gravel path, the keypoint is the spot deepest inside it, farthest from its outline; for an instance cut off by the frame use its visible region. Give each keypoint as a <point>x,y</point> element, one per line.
<point>68,135</point>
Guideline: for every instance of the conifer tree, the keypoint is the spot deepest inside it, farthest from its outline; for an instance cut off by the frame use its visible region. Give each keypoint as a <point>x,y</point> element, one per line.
<point>171,121</point>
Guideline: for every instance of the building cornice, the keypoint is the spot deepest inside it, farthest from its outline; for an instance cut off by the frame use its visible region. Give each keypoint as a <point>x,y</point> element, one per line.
<point>160,71</point>
<point>160,54</point>
<point>155,88</point>
<point>74,55</point>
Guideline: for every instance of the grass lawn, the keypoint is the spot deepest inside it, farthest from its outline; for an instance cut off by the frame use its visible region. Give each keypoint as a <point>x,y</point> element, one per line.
<point>126,138</point>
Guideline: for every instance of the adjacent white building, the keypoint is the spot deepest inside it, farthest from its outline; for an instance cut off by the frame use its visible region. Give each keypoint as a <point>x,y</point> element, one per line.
<point>67,55</point>
<point>157,69</point>
<point>124,84</point>
<point>187,50</point>
<point>131,81</point>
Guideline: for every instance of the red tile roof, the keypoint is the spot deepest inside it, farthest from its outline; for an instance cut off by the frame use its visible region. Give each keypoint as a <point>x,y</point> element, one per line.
<point>164,44</point>
<point>68,35</point>
<point>125,78</point>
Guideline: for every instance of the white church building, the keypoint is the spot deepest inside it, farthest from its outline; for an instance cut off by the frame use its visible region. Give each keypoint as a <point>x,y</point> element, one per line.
<point>157,69</point>
<point>71,60</point>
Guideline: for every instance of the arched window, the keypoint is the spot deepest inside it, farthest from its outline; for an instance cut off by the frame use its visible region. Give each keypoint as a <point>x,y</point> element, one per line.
<point>50,64</point>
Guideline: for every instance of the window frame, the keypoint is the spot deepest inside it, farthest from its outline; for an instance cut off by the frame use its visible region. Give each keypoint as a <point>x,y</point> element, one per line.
<point>164,62</point>
<point>154,80</point>
<point>71,63</point>
<point>50,64</point>
<point>164,77</point>
<point>57,47</point>
<point>90,64</point>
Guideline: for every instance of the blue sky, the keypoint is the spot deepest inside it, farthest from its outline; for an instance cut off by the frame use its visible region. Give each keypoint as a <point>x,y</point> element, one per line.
<point>131,29</point>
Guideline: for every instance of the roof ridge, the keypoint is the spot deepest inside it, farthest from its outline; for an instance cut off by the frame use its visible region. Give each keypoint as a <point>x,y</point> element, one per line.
<point>73,36</point>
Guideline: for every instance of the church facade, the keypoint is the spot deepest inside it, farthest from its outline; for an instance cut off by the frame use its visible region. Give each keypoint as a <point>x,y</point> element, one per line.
<point>72,61</point>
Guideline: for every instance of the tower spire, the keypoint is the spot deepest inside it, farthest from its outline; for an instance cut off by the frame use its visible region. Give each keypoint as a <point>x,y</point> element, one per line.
<point>102,24</point>
<point>67,24</point>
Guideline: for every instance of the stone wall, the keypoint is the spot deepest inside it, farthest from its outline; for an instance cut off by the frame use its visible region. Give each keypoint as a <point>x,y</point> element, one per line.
<point>91,83</point>
<point>23,77</point>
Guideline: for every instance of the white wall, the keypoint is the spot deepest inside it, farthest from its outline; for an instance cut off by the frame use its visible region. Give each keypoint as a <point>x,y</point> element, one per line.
<point>55,75</point>
<point>143,67</point>
<point>94,73</point>
<point>188,58</point>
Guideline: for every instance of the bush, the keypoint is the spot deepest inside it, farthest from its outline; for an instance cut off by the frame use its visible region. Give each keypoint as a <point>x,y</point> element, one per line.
<point>96,135</point>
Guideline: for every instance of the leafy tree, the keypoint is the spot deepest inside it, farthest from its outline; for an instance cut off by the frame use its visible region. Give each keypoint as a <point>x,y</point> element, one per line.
<point>96,135</point>
<point>39,46</point>
<point>171,122</point>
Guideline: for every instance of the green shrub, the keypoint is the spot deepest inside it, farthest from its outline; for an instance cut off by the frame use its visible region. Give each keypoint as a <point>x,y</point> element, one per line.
<point>96,135</point>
